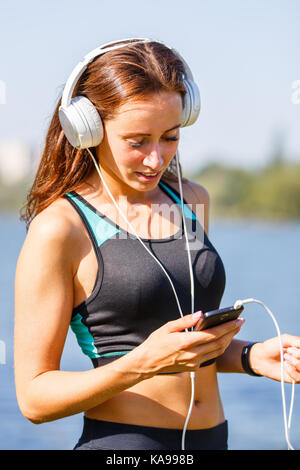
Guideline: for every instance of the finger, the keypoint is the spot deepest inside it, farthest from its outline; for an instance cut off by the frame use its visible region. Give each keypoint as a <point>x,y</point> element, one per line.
<point>206,353</point>
<point>294,352</point>
<point>290,373</point>
<point>211,337</point>
<point>293,359</point>
<point>211,334</point>
<point>188,321</point>
<point>213,348</point>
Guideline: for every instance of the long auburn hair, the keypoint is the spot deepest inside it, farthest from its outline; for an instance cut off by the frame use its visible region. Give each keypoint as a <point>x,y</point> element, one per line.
<point>112,79</point>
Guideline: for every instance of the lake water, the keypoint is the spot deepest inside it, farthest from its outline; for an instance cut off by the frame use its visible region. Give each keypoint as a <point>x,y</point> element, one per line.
<point>261,261</point>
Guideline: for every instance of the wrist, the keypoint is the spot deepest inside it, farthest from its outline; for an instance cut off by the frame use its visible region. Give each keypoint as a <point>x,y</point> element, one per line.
<point>249,359</point>
<point>135,363</point>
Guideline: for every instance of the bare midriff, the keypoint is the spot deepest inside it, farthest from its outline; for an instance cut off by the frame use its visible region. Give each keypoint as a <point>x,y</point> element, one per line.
<point>164,400</point>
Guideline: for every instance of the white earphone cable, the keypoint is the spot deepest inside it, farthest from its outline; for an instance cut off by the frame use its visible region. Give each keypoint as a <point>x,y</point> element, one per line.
<point>186,235</point>
<point>192,374</point>
<point>287,423</point>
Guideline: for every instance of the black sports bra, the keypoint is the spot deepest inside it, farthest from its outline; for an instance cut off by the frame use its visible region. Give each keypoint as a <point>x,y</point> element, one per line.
<point>132,296</point>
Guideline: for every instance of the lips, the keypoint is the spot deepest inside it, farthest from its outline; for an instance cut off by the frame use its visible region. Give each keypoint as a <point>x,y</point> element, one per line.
<point>148,176</point>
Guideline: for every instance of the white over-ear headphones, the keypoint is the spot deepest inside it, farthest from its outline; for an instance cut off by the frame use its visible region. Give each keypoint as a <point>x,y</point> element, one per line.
<point>80,119</point>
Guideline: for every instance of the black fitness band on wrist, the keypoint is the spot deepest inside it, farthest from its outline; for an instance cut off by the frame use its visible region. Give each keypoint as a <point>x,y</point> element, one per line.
<point>245,360</point>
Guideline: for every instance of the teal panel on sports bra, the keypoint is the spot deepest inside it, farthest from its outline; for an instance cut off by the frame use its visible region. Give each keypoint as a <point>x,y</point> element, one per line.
<point>84,337</point>
<point>102,229</point>
<point>187,211</point>
<point>86,340</point>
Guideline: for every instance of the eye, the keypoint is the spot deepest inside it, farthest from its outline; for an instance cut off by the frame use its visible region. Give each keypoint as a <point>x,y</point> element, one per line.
<point>172,139</point>
<point>135,145</point>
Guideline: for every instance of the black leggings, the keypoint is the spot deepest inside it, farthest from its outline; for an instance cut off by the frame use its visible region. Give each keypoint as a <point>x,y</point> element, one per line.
<point>104,435</point>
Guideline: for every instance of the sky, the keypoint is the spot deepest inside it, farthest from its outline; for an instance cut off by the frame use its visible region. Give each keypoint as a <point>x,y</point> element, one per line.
<point>244,55</point>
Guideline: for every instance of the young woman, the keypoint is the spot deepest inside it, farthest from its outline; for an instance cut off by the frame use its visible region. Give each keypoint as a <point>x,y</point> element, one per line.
<point>82,264</point>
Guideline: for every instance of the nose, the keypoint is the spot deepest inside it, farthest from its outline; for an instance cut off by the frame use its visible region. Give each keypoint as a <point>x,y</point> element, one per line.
<point>154,159</point>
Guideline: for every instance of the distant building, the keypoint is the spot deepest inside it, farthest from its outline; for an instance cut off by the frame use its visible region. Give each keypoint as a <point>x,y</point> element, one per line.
<point>15,161</point>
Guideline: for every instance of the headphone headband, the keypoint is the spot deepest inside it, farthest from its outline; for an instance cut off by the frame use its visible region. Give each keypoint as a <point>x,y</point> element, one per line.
<point>80,119</point>
<point>87,59</point>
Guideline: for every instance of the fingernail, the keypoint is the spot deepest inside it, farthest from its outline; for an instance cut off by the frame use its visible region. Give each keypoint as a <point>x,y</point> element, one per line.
<point>239,321</point>
<point>197,315</point>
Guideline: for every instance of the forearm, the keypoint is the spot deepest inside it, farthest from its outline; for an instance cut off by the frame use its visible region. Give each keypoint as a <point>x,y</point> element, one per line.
<point>230,361</point>
<point>56,394</point>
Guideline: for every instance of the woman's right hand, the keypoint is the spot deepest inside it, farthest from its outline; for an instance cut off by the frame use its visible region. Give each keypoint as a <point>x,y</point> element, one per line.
<point>171,349</point>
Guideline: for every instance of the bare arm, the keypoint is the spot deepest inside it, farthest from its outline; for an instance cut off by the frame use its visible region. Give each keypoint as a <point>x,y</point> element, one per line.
<point>43,306</point>
<point>231,361</point>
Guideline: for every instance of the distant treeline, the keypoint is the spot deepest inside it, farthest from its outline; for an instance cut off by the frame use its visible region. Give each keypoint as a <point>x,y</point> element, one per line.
<point>13,196</point>
<point>272,192</point>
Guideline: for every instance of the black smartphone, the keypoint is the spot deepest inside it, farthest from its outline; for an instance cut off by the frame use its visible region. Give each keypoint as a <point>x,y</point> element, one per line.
<point>216,317</point>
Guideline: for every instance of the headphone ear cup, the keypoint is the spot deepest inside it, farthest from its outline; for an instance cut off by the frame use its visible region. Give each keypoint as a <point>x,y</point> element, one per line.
<point>81,123</point>
<point>192,103</point>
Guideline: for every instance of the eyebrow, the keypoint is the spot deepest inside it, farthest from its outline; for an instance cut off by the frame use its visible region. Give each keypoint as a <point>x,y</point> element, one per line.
<point>136,134</point>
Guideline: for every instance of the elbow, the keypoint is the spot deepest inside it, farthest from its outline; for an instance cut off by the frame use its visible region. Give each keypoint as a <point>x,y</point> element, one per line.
<point>32,413</point>
<point>34,420</point>
<point>38,413</point>
<point>35,409</point>
<point>37,418</point>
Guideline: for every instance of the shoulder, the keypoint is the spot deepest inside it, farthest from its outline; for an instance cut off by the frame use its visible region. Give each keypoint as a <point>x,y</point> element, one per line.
<point>56,222</point>
<point>54,233</point>
<point>193,193</point>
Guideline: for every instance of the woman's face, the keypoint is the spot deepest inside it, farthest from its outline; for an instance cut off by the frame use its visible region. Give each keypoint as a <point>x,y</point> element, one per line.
<point>141,140</point>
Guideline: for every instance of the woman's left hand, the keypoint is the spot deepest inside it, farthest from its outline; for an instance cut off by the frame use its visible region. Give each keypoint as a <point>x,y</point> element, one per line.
<point>265,358</point>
